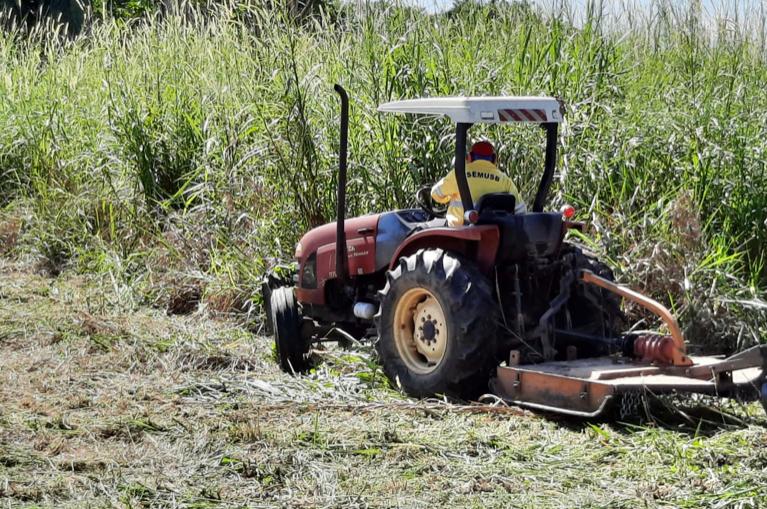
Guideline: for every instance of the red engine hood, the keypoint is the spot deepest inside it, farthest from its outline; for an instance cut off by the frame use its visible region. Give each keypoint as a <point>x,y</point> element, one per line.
<point>356,227</point>
<point>360,254</point>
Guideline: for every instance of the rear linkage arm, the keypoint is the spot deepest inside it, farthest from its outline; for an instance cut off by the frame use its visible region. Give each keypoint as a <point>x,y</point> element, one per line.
<point>668,349</point>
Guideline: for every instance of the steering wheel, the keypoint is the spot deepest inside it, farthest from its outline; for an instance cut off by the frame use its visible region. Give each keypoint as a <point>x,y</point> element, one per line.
<point>423,199</point>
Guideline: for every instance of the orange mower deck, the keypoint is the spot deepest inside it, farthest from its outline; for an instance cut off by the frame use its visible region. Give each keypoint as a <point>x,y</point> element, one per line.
<point>587,387</point>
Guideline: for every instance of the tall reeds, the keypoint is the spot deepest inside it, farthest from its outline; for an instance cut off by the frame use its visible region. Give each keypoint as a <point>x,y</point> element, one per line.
<point>203,140</point>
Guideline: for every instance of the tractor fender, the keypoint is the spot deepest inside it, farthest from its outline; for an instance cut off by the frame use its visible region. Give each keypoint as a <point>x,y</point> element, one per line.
<point>478,243</point>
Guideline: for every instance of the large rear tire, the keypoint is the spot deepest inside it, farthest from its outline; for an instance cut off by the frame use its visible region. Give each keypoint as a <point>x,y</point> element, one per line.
<point>292,347</point>
<point>436,326</point>
<point>592,307</point>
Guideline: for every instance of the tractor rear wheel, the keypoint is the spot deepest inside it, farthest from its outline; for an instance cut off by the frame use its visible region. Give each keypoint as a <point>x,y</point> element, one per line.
<point>594,310</point>
<point>292,348</point>
<point>436,326</point>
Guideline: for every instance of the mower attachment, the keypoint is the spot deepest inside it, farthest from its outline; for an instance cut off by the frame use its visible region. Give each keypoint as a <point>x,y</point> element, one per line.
<point>586,387</point>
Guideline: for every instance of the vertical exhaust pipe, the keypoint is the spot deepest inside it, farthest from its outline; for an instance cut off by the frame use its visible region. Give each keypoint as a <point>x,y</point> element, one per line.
<point>342,271</point>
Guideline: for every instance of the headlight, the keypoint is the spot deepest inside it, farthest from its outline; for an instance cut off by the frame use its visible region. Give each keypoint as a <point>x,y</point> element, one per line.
<point>309,272</point>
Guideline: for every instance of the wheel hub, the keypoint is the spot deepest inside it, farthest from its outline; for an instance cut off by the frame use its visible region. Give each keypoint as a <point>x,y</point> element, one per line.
<point>421,333</point>
<point>430,341</point>
<point>428,331</point>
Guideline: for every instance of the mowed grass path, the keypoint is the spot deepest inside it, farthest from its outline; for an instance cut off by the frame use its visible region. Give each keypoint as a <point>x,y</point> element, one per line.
<point>108,408</point>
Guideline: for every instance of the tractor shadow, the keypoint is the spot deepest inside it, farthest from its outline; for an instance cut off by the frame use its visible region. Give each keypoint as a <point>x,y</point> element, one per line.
<point>690,418</point>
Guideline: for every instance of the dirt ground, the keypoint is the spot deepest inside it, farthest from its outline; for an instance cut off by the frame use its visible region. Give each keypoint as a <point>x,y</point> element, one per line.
<point>108,404</point>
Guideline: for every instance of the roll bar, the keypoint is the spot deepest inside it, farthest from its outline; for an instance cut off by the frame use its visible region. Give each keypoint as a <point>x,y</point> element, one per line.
<point>548,171</point>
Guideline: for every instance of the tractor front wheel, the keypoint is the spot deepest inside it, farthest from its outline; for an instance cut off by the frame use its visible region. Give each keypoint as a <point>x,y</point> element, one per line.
<point>436,326</point>
<point>292,347</point>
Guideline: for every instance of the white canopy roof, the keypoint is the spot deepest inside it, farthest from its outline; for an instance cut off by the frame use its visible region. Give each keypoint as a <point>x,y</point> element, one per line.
<point>486,110</point>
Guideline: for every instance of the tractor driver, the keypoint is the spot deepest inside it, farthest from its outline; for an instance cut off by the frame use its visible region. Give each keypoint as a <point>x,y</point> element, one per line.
<point>484,177</point>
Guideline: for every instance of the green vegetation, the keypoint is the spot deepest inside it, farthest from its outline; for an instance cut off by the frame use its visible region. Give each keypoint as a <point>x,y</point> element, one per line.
<point>184,153</point>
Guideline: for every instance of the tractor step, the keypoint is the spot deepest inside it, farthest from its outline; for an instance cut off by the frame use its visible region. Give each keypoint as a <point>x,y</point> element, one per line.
<point>587,387</point>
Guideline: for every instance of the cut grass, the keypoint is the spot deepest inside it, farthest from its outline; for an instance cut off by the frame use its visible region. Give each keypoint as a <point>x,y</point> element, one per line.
<point>208,420</point>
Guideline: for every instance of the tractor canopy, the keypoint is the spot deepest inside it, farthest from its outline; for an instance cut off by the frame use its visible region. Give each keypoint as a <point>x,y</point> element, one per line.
<point>483,110</point>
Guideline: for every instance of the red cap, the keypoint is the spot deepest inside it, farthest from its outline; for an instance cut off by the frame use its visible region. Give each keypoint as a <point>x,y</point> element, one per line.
<point>482,148</point>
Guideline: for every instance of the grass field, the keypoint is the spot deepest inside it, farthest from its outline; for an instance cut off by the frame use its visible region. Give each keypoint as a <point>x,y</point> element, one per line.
<point>105,408</point>
<point>151,170</point>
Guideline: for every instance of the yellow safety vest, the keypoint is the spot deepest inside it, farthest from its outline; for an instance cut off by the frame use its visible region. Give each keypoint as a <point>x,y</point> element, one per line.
<point>484,178</point>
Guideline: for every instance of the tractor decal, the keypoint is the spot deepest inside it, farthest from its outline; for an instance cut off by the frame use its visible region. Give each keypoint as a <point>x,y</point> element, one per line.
<point>483,175</point>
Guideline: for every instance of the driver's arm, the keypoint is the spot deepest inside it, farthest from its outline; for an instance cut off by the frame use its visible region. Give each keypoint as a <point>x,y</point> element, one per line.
<point>444,189</point>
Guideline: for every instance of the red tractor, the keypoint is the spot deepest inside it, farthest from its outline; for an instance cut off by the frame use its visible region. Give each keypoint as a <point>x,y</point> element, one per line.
<point>503,301</point>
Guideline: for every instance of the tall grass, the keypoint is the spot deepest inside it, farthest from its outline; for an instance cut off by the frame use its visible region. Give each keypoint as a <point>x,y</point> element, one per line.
<point>194,147</point>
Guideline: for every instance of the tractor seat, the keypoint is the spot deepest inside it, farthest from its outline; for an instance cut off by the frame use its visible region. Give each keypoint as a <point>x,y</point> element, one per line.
<point>496,204</point>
